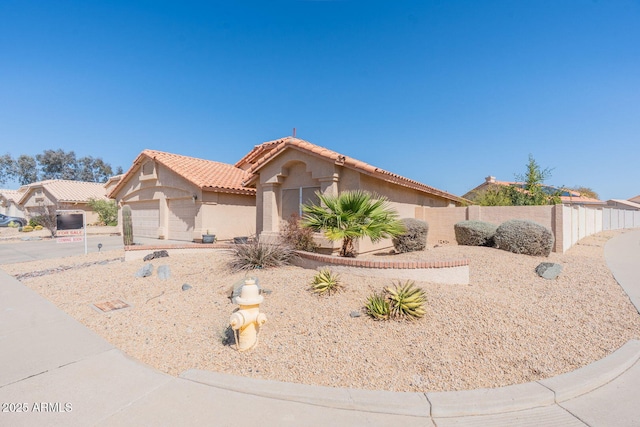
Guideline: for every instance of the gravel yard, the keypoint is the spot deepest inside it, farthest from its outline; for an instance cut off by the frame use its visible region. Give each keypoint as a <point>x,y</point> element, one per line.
<point>508,326</point>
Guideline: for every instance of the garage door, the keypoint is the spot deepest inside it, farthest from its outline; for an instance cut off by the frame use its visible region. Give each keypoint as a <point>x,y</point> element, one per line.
<point>182,219</point>
<point>146,218</point>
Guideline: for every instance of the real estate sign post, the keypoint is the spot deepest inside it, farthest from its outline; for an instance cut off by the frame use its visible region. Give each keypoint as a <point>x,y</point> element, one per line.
<point>71,227</point>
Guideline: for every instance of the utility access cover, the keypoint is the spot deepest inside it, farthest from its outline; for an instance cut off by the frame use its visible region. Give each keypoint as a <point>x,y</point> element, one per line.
<point>114,304</point>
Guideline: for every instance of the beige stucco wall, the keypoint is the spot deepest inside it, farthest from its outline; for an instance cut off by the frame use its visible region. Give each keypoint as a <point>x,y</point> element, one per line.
<point>294,168</point>
<point>226,215</point>
<point>34,200</point>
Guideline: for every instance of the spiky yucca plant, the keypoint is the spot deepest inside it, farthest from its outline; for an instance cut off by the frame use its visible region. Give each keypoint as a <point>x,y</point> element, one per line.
<point>406,301</point>
<point>325,282</point>
<point>255,254</point>
<point>378,306</point>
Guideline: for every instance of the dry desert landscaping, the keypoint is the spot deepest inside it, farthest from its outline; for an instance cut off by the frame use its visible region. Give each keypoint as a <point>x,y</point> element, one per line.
<point>508,326</point>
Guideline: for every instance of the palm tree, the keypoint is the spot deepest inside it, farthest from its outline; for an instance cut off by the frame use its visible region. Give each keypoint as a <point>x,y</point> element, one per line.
<point>350,216</point>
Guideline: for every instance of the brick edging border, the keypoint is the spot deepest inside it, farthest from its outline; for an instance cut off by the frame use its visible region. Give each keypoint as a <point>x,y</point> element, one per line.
<point>398,265</point>
<point>325,259</point>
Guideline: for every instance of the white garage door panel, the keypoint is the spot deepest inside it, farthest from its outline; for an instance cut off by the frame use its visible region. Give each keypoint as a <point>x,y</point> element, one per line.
<point>146,218</point>
<point>182,219</point>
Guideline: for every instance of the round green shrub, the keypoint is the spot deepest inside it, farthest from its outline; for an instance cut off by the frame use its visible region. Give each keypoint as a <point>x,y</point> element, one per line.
<point>475,233</point>
<point>524,237</point>
<point>414,238</point>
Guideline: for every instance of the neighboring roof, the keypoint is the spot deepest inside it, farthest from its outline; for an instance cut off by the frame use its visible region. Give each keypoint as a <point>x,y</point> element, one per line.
<point>626,203</point>
<point>205,174</point>
<point>635,199</point>
<point>67,191</point>
<point>11,195</point>
<point>567,196</point>
<point>263,153</point>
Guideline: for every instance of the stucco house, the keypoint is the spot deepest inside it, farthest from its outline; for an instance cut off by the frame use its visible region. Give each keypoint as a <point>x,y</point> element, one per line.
<point>64,194</point>
<point>180,198</point>
<point>567,197</point>
<point>287,172</point>
<point>9,203</point>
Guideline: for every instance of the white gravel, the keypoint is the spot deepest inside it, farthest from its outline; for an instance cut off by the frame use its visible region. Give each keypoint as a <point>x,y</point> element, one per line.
<point>508,326</point>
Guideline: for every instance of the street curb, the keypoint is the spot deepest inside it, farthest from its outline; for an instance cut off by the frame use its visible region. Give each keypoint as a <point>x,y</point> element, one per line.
<point>447,404</point>
<point>385,402</point>
<point>581,381</point>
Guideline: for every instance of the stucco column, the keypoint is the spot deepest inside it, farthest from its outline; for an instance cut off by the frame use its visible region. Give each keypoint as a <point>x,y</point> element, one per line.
<point>270,217</point>
<point>329,185</point>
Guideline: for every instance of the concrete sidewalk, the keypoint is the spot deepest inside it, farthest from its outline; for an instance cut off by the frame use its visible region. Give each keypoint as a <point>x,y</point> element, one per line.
<point>54,371</point>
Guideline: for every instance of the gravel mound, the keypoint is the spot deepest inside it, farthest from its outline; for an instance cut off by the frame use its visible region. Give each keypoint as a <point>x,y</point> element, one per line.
<point>508,326</point>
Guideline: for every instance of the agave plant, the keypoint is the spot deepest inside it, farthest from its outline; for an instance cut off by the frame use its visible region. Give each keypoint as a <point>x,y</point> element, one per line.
<point>406,301</point>
<point>378,306</point>
<point>325,282</point>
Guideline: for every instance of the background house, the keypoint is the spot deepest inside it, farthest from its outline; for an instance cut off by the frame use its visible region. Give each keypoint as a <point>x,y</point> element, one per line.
<point>62,193</point>
<point>180,198</point>
<point>567,197</point>
<point>287,172</point>
<point>9,203</point>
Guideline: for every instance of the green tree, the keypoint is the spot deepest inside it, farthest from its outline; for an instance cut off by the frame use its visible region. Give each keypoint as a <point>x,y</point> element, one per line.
<point>57,164</point>
<point>350,216</point>
<point>6,168</point>
<point>107,210</point>
<point>25,169</point>
<point>535,193</point>
<point>494,196</point>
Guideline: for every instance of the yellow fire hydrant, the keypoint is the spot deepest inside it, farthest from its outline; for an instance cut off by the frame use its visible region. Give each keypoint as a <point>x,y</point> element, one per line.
<point>246,322</point>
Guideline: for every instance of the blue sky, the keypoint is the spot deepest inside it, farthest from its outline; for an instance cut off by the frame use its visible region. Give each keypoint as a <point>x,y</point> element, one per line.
<point>443,92</point>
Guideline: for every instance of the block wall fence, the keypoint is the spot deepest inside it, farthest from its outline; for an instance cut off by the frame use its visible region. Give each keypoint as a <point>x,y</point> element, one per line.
<point>569,223</point>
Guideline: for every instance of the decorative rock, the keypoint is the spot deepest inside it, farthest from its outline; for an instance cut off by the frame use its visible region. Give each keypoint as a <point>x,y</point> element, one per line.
<point>355,314</point>
<point>157,254</point>
<point>164,272</point>
<point>186,287</point>
<point>548,270</point>
<point>145,271</point>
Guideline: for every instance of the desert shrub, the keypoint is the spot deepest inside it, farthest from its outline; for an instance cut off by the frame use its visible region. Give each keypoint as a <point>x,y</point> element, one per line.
<point>325,282</point>
<point>35,221</point>
<point>414,238</point>
<point>13,224</point>
<point>255,254</point>
<point>298,237</point>
<point>475,233</point>
<point>107,210</point>
<point>524,237</point>
<point>377,306</point>
<point>38,228</point>
<point>27,228</point>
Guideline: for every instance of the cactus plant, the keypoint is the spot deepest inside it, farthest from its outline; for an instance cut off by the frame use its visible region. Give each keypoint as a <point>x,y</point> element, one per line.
<point>406,301</point>
<point>325,282</point>
<point>127,226</point>
<point>378,306</point>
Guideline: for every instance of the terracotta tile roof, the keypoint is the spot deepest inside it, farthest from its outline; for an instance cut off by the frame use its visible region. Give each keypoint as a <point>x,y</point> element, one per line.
<point>67,191</point>
<point>263,153</point>
<point>568,197</point>
<point>204,174</point>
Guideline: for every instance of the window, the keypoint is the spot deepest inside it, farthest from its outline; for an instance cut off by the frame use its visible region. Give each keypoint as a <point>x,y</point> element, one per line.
<point>294,198</point>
